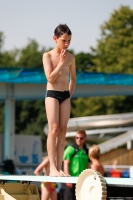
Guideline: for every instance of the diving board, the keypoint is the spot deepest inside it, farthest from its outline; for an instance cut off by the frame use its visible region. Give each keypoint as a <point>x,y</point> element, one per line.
<point>110,181</point>
<point>40,178</point>
<point>90,184</point>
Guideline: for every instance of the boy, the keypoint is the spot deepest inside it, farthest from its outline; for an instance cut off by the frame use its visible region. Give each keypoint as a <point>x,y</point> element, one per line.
<point>58,65</point>
<point>94,155</point>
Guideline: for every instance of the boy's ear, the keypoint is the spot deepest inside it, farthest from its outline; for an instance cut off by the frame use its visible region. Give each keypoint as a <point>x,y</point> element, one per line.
<point>54,38</point>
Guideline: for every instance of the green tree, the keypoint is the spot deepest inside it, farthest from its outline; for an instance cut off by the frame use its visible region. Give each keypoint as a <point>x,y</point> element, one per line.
<point>30,115</point>
<point>1,117</point>
<point>7,58</point>
<point>113,54</point>
<point>31,55</point>
<point>115,47</point>
<point>2,37</point>
<point>101,105</point>
<point>84,61</point>
<point>30,118</point>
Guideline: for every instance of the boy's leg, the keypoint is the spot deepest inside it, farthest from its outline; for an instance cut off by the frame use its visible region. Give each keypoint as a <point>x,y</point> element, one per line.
<point>52,110</point>
<point>64,114</point>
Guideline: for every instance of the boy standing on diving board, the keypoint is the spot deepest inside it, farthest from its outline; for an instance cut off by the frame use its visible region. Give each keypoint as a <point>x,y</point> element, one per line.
<point>59,68</point>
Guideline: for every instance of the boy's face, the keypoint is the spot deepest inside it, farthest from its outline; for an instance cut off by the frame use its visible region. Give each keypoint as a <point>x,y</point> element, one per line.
<point>63,41</point>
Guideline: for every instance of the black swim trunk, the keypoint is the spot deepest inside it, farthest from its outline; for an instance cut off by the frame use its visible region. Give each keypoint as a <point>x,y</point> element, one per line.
<point>59,95</point>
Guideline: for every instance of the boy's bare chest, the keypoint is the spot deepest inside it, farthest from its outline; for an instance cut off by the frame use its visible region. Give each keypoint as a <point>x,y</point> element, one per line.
<point>66,65</point>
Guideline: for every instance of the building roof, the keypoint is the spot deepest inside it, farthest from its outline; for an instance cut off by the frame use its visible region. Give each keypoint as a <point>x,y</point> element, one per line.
<point>37,76</point>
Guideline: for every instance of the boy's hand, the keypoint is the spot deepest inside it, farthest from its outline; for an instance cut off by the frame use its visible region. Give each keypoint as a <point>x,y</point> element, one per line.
<point>63,55</point>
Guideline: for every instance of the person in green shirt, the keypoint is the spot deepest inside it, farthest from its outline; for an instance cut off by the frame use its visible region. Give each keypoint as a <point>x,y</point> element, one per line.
<point>76,160</point>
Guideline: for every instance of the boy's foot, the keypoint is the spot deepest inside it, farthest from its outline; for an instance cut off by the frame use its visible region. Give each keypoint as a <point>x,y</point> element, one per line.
<point>63,173</point>
<point>54,172</point>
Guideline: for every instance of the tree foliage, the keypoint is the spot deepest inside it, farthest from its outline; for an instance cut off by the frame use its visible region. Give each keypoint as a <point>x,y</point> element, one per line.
<point>114,50</point>
<point>101,105</point>
<point>2,37</point>
<point>1,117</point>
<point>31,55</point>
<point>30,118</point>
<point>113,54</point>
<point>7,58</point>
<point>84,61</point>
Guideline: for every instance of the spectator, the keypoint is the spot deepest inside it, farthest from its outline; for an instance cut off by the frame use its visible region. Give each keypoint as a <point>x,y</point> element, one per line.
<point>8,168</point>
<point>94,155</point>
<point>75,161</point>
<point>48,189</point>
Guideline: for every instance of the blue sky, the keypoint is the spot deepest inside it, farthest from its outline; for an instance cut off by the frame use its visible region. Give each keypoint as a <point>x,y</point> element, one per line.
<point>21,20</point>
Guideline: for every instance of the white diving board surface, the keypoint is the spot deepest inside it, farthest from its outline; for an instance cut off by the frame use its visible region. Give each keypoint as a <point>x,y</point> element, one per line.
<point>40,178</point>
<point>125,182</point>
<point>110,181</point>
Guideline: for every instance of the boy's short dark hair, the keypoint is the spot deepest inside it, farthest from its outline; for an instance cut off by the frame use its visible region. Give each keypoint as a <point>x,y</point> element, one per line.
<point>62,29</point>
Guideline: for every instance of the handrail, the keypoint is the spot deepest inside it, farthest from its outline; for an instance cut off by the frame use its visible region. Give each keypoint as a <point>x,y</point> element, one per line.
<point>116,141</point>
<point>101,121</point>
